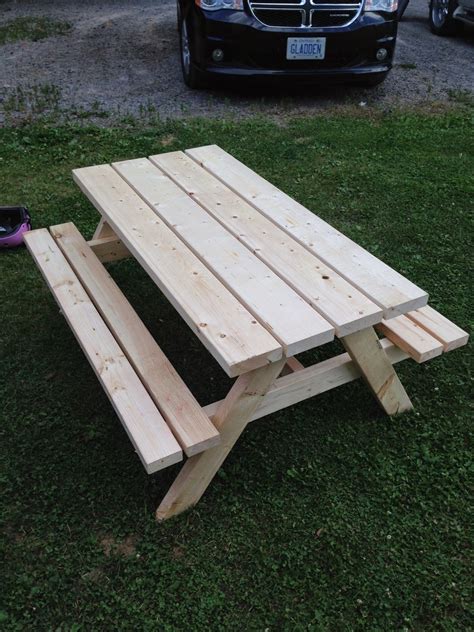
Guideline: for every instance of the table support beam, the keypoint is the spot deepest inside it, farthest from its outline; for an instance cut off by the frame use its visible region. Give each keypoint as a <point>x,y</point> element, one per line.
<point>231,418</point>
<point>103,230</point>
<point>367,353</point>
<point>106,245</point>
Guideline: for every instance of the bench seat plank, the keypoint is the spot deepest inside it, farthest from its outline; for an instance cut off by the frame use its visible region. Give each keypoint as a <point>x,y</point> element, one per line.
<point>223,325</point>
<point>387,288</point>
<point>332,296</point>
<point>146,428</point>
<point>191,427</point>
<point>450,335</point>
<point>293,322</point>
<point>412,338</point>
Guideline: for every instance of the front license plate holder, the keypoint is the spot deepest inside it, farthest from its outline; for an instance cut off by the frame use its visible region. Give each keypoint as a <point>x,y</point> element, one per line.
<point>306,48</point>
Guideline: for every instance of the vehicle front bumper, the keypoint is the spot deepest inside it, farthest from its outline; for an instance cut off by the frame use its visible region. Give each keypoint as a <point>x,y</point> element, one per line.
<point>254,50</point>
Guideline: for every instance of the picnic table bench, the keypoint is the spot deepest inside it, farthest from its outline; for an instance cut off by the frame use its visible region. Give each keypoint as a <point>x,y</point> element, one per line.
<point>256,276</point>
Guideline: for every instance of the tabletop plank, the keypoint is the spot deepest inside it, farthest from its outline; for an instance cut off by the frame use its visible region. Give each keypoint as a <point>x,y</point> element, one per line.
<point>332,296</point>
<point>387,288</point>
<point>223,325</point>
<point>293,322</point>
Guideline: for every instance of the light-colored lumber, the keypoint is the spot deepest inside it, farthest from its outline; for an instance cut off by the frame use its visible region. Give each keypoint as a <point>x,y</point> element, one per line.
<point>411,338</point>
<point>148,431</point>
<point>289,318</point>
<point>332,296</point>
<point>387,288</point>
<point>231,418</point>
<point>367,353</point>
<point>109,249</point>
<point>191,427</point>
<point>450,335</point>
<point>313,380</point>
<point>223,325</point>
<point>292,365</point>
<point>103,230</point>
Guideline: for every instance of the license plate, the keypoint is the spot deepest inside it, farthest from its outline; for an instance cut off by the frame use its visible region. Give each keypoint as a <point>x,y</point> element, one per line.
<point>306,48</point>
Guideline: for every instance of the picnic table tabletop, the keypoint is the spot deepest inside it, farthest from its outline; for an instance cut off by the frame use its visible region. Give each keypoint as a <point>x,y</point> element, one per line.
<point>254,274</point>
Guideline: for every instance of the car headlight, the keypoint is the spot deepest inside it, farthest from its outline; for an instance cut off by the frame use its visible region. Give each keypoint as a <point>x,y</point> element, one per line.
<point>215,5</point>
<point>381,5</point>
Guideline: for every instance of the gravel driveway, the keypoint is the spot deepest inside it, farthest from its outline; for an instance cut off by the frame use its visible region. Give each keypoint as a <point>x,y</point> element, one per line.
<point>122,57</point>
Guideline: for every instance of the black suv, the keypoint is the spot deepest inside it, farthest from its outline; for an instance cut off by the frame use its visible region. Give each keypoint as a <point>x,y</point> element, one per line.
<point>307,39</point>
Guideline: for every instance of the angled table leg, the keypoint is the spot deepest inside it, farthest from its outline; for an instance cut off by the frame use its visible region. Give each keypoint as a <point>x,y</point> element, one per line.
<point>230,419</point>
<point>367,353</point>
<point>103,230</point>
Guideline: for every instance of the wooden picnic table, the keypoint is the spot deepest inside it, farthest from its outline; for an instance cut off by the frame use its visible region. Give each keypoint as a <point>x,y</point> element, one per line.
<point>256,276</point>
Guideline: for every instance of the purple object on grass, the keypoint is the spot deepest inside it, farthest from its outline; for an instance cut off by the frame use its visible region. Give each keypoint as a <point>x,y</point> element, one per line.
<point>15,221</point>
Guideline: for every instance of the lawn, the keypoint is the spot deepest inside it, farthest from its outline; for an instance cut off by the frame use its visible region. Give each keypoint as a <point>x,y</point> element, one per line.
<point>326,516</point>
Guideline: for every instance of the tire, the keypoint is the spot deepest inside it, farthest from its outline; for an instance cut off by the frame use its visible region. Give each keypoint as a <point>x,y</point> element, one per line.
<point>402,6</point>
<point>192,77</point>
<point>371,82</point>
<point>441,17</point>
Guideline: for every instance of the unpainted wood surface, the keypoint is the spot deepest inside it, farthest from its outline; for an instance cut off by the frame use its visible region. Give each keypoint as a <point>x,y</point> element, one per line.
<point>333,297</point>
<point>146,428</point>
<point>293,322</point>
<point>412,338</point>
<point>394,293</point>
<point>234,337</point>
<point>313,380</point>
<point>109,249</point>
<point>103,230</point>
<point>231,418</point>
<point>450,335</point>
<point>368,355</point>
<point>192,428</point>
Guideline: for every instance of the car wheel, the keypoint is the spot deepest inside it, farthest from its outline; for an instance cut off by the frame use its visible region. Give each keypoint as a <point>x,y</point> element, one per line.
<point>441,17</point>
<point>371,82</point>
<point>192,77</point>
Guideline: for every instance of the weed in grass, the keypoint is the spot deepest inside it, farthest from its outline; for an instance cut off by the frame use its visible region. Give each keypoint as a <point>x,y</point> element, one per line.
<point>32,100</point>
<point>462,97</point>
<point>326,516</point>
<point>31,28</point>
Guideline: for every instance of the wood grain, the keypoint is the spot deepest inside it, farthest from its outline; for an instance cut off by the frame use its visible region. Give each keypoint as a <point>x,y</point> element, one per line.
<point>272,302</point>
<point>384,286</point>
<point>231,418</point>
<point>223,325</point>
<point>450,335</point>
<point>410,337</point>
<point>342,304</point>
<point>146,428</point>
<point>368,355</point>
<point>191,427</point>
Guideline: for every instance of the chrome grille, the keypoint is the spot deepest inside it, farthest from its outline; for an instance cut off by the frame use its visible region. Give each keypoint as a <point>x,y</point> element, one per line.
<point>305,14</point>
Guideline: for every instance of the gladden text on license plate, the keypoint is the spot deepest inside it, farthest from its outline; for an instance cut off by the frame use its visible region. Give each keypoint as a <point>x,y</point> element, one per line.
<point>306,48</point>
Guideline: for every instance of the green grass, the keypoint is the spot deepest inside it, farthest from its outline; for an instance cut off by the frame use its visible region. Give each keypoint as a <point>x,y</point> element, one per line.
<point>31,28</point>
<point>327,516</point>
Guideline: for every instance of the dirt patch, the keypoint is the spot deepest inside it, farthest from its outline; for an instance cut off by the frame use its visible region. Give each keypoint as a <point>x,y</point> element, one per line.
<point>123,548</point>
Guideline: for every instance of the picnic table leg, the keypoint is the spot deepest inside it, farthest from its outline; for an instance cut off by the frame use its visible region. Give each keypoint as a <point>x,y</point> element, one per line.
<point>103,230</point>
<point>230,419</point>
<point>366,351</point>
